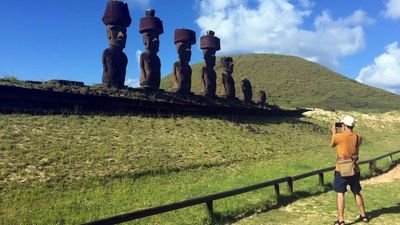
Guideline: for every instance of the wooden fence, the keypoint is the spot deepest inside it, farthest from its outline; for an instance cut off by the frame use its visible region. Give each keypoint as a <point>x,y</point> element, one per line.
<point>209,199</point>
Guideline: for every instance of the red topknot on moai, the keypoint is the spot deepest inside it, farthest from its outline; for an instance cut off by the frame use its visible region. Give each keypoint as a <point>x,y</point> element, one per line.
<point>183,39</point>
<point>150,27</point>
<point>210,45</point>
<point>117,19</point>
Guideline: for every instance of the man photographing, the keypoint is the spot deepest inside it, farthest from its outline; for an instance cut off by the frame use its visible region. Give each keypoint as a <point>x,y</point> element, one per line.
<point>347,171</point>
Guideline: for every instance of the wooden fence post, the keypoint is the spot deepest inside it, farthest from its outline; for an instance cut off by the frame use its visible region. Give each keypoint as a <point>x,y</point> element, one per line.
<point>290,186</point>
<point>277,192</point>
<point>372,165</point>
<point>210,209</point>
<point>321,178</point>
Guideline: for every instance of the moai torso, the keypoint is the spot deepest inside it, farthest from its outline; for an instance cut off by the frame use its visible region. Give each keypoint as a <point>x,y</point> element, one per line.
<point>183,77</point>
<point>229,85</point>
<point>117,19</point>
<point>210,45</point>
<point>209,79</point>
<point>247,90</point>
<point>114,67</point>
<point>261,97</point>
<point>150,65</point>
<point>183,39</point>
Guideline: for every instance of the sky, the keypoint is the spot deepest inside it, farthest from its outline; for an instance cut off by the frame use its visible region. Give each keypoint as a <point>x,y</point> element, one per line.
<point>48,39</point>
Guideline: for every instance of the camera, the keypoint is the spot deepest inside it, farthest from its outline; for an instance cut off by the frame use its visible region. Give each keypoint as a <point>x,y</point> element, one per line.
<point>338,124</point>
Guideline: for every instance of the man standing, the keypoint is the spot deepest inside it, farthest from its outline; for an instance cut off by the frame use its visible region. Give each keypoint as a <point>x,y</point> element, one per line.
<point>347,143</point>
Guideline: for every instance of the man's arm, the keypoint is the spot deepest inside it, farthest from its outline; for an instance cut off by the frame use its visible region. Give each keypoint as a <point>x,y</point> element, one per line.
<point>334,131</point>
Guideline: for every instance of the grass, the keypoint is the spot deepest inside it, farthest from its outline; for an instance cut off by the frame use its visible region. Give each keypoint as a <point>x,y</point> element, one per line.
<point>381,201</point>
<point>294,82</point>
<point>76,169</point>
<point>136,146</point>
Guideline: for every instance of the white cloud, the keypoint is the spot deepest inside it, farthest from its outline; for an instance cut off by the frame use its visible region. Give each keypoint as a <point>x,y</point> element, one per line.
<point>392,9</point>
<point>131,82</point>
<point>275,26</point>
<point>138,53</point>
<point>306,3</point>
<point>384,72</point>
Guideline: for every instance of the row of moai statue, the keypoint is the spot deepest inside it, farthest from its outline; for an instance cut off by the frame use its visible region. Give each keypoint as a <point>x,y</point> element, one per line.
<point>117,19</point>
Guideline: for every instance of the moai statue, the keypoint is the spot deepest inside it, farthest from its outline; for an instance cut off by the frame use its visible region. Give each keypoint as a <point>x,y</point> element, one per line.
<point>228,83</point>
<point>150,27</point>
<point>247,90</point>
<point>117,19</point>
<point>210,45</point>
<point>183,39</point>
<point>261,98</point>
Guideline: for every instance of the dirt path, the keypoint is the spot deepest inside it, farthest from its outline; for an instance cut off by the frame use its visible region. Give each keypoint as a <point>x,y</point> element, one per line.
<point>388,177</point>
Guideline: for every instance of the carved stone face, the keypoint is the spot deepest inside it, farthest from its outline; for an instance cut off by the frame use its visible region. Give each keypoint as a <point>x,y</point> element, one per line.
<point>209,58</point>
<point>116,35</point>
<point>151,42</point>
<point>228,65</point>
<point>184,52</point>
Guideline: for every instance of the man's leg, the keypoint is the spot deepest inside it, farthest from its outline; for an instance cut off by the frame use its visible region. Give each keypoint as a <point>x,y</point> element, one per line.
<point>356,189</point>
<point>340,206</point>
<point>360,203</point>
<point>339,186</point>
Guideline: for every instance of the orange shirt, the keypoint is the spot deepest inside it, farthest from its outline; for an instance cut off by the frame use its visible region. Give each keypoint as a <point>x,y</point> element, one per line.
<point>346,145</point>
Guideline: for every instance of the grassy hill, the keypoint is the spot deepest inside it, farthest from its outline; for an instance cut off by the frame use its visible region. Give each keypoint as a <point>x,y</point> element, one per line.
<point>295,82</point>
<point>81,168</point>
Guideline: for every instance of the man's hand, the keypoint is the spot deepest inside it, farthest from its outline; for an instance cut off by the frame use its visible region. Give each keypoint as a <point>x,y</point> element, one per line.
<point>334,131</point>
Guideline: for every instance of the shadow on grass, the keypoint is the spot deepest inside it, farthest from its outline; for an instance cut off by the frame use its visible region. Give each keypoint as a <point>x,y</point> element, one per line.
<point>221,219</point>
<point>378,212</point>
<point>389,210</point>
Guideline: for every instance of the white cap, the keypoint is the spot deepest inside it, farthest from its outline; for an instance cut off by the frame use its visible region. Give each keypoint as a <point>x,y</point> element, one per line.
<point>349,121</point>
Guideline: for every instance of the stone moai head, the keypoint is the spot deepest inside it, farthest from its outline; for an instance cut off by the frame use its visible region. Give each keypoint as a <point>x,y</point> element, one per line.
<point>247,90</point>
<point>184,39</point>
<point>117,19</point>
<point>261,97</point>
<point>210,45</point>
<point>151,27</point>
<point>227,64</point>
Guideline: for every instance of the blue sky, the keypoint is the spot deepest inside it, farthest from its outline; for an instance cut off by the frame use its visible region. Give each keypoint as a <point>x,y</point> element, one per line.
<point>47,39</point>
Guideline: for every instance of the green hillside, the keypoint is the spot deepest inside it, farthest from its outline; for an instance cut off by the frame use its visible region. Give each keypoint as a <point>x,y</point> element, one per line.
<point>295,82</point>
<point>76,168</point>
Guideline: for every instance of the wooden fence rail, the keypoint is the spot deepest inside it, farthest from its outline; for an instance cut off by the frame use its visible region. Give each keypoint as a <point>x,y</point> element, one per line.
<point>208,200</point>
